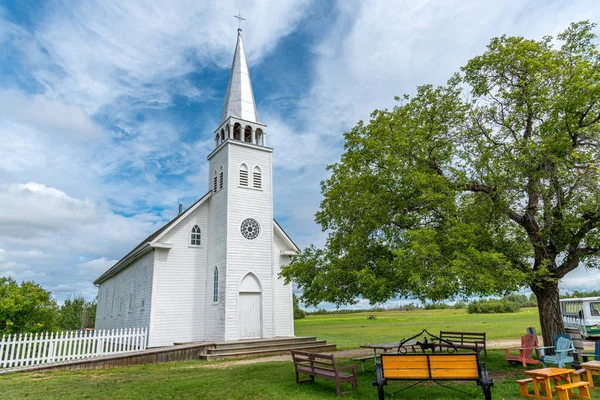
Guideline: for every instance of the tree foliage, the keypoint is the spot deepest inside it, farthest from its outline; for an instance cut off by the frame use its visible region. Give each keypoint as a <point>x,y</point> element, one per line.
<point>483,186</point>
<point>77,314</point>
<point>25,308</point>
<point>298,312</point>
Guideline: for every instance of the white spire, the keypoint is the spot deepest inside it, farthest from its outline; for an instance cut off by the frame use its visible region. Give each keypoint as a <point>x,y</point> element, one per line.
<point>239,98</point>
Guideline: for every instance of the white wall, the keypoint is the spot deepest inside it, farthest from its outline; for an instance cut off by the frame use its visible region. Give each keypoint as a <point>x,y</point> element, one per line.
<point>245,255</point>
<point>284,306</point>
<point>178,313</point>
<point>217,248</point>
<point>124,300</point>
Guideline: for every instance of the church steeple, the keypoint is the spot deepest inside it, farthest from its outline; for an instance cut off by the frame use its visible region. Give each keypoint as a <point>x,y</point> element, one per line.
<point>239,121</point>
<point>239,98</point>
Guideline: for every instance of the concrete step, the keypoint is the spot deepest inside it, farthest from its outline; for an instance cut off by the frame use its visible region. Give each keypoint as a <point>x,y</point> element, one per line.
<point>265,346</point>
<point>241,353</point>
<point>242,344</point>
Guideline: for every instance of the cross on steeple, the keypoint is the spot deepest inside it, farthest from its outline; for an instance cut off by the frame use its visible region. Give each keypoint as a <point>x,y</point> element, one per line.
<point>240,19</point>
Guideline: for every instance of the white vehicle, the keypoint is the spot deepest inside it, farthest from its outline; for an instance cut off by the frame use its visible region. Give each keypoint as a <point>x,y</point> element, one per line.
<point>582,314</point>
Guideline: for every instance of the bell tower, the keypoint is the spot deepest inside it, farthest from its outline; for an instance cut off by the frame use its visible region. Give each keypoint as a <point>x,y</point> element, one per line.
<point>241,214</point>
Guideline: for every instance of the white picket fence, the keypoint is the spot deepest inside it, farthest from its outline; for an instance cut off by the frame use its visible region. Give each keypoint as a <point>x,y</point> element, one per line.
<point>39,348</point>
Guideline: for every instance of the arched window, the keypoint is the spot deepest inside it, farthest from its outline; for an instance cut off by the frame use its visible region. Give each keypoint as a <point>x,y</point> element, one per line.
<point>248,134</point>
<point>222,135</point>
<point>195,236</point>
<point>216,285</point>
<point>258,137</point>
<point>237,131</point>
<point>256,178</point>
<point>243,175</point>
<point>221,178</point>
<point>215,182</point>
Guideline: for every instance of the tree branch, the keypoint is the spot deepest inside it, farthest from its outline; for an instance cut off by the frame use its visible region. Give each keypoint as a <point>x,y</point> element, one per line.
<point>495,198</point>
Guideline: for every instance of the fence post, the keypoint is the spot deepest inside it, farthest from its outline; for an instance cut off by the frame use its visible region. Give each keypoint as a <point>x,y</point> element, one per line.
<point>2,349</point>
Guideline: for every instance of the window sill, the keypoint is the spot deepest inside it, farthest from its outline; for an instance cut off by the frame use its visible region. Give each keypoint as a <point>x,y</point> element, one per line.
<point>251,188</point>
<point>195,246</point>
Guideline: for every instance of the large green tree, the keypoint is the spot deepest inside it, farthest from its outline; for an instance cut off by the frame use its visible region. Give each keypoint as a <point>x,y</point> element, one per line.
<point>483,186</point>
<point>25,308</point>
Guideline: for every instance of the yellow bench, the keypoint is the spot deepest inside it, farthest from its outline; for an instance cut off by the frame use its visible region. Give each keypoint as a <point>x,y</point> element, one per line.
<point>565,390</point>
<point>432,367</point>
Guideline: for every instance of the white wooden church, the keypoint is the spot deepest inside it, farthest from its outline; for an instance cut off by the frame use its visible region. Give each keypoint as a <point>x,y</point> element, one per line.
<point>211,273</point>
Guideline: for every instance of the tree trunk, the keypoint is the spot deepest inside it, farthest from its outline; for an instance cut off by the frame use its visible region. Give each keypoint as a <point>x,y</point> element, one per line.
<point>549,308</point>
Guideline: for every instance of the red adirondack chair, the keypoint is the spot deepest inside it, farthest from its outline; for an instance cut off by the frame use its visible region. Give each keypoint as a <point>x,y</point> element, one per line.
<point>528,343</point>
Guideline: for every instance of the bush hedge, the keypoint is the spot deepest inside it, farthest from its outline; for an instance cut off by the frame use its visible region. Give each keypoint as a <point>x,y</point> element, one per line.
<point>493,306</point>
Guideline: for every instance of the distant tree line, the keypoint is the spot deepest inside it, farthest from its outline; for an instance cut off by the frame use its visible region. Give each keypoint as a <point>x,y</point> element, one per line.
<point>579,295</point>
<point>28,308</point>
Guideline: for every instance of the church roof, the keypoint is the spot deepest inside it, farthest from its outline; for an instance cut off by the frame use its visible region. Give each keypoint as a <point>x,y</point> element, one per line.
<point>239,98</point>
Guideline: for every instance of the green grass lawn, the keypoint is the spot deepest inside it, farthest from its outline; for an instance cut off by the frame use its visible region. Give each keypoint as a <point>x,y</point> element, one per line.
<point>275,380</point>
<point>349,331</point>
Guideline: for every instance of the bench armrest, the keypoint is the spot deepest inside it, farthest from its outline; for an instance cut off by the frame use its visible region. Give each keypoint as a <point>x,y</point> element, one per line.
<point>345,367</point>
<point>564,351</point>
<point>584,356</point>
<point>541,350</point>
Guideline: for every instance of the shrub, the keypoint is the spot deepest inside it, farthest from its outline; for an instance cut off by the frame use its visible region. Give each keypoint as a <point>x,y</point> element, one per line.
<point>493,306</point>
<point>298,312</point>
<point>460,304</point>
<point>436,306</point>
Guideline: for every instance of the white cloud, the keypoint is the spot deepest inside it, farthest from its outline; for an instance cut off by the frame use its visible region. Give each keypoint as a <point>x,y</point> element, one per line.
<point>97,266</point>
<point>32,207</point>
<point>582,279</point>
<point>108,49</point>
<point>51,117</point>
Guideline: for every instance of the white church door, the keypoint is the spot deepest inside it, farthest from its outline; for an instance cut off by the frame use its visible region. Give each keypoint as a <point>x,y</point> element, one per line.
<point>250,308</point>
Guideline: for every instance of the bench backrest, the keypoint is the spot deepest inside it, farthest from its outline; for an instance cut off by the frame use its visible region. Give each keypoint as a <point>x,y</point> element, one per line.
<point>315,360</point>
<point>430,366</point>
<point>463,337</point>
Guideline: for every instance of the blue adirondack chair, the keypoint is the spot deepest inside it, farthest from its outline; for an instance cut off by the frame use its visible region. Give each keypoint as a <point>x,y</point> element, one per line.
<point>563,349</point>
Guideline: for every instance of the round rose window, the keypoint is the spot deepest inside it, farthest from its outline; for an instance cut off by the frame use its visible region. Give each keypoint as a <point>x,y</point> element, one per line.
<point>250,228</point>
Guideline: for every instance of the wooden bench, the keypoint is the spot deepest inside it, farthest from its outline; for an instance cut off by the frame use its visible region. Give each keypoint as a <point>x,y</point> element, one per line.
<point>432,367</point>
<point>323,366</point>
<point>567,389</point>
<point>524,386</point>
<point>466,340</point>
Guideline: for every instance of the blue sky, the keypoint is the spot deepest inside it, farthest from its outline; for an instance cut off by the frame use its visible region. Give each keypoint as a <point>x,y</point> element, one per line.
<point>107,108</point>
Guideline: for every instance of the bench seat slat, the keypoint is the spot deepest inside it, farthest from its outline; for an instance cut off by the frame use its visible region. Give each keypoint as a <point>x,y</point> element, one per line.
<point>399,363</point>
<point>454,373</point>
<point>406,374</point>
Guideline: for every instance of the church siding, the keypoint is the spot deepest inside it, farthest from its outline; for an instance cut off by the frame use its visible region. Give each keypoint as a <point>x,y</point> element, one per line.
<point>120,297</point>
<point>217,252</point>
<point>284,310</point>
<point>245,255</point>
<point>177,309</point>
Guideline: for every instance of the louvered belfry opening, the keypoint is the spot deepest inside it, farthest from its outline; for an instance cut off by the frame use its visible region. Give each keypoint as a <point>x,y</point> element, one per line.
<point>256,178</point>
<point>243,175</point>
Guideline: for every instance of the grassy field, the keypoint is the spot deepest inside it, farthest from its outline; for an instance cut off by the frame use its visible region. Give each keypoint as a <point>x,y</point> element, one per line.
<point>349,331</point>
<point>275,380</point>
